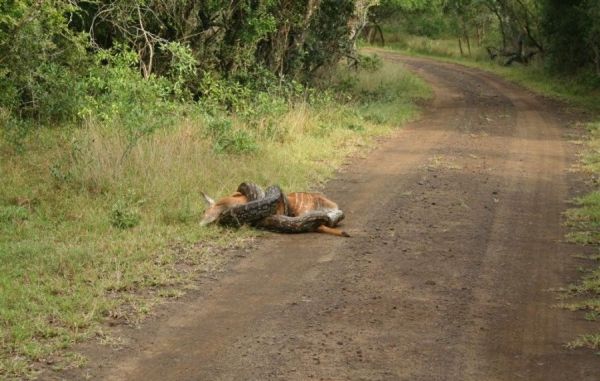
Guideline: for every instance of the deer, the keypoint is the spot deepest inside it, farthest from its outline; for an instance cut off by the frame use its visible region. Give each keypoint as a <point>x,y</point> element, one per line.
<point>293,208</point>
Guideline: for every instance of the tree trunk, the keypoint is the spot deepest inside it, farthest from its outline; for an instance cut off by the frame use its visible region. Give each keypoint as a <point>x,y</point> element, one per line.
<point>468,43</point>
<point>596,50</point>
<point>279,46</point>
<point>311,7</point>
<point>460,47</point>
<point>381,35</point>
<point>360,19</point>
<point>371,35</point>
<point>466,36</point>
<point>501,24</point>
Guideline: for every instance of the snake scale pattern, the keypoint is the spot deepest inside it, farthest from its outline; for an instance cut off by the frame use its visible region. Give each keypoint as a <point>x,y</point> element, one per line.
<point>261,211</point>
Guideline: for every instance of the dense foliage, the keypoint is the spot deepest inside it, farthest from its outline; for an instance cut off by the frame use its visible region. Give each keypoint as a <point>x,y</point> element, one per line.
<point>63,60</point>
<point>564,34</point>
<point>572,30</point>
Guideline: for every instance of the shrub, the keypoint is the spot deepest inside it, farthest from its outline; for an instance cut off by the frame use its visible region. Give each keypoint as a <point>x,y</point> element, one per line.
<point>118,96</point>
<point>227,139</point>
<point>125,213</point>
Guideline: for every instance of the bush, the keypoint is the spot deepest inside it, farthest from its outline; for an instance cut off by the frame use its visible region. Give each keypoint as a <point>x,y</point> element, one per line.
<point>14,131</point>
<point>227,139</point>
<point>42,59</point>
<point>370,63</point>
<point>118,96</point>
<point>125,213</point>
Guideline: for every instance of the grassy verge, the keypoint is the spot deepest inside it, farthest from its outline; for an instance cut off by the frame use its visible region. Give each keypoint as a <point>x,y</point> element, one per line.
<point>584,218</point>
<point>94,228</point>
<point>584,221</point>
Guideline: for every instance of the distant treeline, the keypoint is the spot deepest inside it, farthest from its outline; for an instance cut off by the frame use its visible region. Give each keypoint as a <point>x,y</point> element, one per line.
<point>565,33</point>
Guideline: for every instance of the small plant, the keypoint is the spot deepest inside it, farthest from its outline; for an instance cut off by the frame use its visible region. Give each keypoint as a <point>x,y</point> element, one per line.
<point>13,213</point>
<point>125,213</point>
<point>592,316</point>
<point>181,214</point>
<point>59,174</point>
<point>227,139</point>
<point>591,341</point>
<point>182,68</point>
<point>377,118</point>
<point>14,131</point>
<point>370,63</point>
<point>355,127</point>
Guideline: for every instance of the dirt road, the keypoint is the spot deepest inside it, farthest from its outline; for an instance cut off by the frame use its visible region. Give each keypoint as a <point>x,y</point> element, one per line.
<point>456,225</point>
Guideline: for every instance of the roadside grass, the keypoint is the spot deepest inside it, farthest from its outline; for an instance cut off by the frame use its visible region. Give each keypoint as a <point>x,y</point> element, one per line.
<point>584,223</point>
<point>443,47</point>
<point>581,91</point>
<point>94,229</point>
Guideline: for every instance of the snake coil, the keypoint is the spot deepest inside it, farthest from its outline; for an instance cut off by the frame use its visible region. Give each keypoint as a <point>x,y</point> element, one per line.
<point>261,211</point>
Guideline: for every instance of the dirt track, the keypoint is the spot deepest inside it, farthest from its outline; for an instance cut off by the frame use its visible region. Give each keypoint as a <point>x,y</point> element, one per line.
<point>457,241</point>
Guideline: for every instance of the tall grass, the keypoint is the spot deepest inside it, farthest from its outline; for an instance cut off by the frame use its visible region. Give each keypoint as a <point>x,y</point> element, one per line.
<point>397,39</point>
<point>95,228</point>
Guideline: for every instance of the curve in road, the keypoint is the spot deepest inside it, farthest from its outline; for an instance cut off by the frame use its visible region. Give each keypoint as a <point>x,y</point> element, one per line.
<point>457,241</point>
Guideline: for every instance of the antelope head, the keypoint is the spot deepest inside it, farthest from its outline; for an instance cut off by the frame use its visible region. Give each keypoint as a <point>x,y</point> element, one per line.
<point>215,209</point>
<point>212,211</point>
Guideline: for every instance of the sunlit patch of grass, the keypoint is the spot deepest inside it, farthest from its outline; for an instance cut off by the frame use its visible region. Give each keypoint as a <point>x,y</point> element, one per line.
<point>591,341</point>
<point>390,93</point>
<point>94,228</point>
<point>591,157</point>
<point>584,222</point>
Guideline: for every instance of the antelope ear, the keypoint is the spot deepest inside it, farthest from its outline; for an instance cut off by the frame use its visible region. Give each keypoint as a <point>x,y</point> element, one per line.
<point>208,200</point>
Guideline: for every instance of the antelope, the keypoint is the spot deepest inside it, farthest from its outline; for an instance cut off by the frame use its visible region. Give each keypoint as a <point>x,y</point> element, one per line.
<point>299,203</point>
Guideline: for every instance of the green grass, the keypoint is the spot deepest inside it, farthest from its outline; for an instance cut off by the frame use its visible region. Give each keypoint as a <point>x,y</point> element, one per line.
<point>591,341</point>
<point>94,229</point>
<point>584,223</point>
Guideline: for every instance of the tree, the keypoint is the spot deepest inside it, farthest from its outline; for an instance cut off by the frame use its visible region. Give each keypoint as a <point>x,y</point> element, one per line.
<point>39,56</point>
<point>569,30</point>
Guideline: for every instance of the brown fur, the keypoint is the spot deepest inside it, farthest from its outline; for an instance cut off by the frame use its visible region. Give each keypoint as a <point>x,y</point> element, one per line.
<point>299,204</point>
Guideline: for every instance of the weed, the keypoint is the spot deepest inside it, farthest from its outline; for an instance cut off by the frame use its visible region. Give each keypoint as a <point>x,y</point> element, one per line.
<point>227,139</point>
<point>13,214</point>
<point>371,63</point>
<point>183,213</point>
<point>123,215</point>
<point>591,341</point>
<point>592,316</point>
<point>14,132</point>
